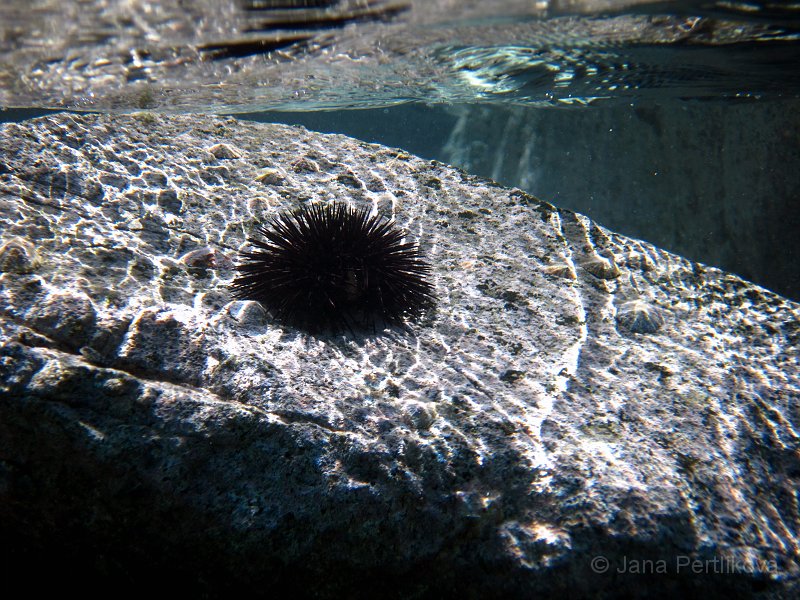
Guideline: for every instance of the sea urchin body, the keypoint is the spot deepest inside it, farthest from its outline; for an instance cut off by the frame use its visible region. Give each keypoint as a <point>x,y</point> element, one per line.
<point>330,266</point>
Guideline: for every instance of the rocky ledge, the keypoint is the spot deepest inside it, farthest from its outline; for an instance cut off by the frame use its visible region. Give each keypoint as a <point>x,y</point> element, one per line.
<point>582,410</point>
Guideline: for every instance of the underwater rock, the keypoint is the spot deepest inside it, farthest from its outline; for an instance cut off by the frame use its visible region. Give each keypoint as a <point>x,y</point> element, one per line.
<point>515,444</point>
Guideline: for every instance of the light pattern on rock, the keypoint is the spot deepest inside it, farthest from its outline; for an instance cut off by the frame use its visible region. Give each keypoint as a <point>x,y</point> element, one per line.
<point>522,430</point>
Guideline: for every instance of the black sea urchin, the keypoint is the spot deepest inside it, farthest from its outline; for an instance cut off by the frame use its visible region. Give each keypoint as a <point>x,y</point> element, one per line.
<point>329,266</point>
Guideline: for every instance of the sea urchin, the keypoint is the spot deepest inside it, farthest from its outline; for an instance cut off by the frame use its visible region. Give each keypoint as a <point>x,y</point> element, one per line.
<point>330,266</point>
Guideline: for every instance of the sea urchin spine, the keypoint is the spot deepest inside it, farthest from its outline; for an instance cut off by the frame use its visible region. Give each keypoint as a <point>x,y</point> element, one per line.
<point>330,266</point>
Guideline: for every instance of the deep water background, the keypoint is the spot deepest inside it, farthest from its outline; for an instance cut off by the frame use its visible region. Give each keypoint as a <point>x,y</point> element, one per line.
<point>714,181</point>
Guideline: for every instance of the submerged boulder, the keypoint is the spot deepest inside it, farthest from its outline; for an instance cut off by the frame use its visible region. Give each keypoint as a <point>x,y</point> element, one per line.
<point>580,410</point>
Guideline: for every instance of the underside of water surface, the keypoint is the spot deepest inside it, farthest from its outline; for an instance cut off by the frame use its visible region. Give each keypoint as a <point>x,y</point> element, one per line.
<point>249,55</point>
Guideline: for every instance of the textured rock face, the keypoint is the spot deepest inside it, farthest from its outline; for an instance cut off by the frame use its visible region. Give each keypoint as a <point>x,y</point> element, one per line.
<point>576,395</point>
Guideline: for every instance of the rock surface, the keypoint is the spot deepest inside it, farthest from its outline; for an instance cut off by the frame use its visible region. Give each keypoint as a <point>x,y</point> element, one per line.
<point>577,394</point>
